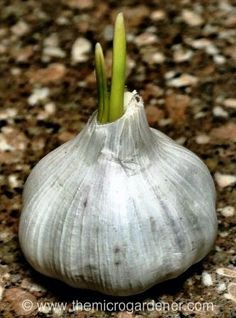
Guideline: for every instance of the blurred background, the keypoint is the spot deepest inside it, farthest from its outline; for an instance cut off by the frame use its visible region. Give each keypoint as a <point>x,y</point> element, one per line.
<point>181,60</point>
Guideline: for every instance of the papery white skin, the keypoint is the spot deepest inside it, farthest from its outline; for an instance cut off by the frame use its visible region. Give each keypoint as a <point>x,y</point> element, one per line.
<point>119,208</point>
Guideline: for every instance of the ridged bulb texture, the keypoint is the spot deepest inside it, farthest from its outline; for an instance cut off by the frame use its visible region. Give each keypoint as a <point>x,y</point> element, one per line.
<point>119,208</point>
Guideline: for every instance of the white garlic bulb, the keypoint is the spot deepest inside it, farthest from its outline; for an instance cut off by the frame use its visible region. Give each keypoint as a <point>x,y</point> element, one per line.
<point>119,208</point>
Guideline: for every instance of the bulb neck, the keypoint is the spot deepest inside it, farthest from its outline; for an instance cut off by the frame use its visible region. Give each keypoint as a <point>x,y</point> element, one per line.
<point>126,138</point>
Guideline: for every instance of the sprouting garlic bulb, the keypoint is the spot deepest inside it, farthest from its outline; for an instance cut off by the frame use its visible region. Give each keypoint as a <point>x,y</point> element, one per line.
<point>119,208</point>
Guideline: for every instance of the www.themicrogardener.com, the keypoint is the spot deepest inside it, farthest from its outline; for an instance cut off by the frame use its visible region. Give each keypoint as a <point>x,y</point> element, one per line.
<point>76,306</point>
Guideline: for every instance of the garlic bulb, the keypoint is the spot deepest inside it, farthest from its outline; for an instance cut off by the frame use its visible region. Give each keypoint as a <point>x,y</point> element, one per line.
<point>119,208</point>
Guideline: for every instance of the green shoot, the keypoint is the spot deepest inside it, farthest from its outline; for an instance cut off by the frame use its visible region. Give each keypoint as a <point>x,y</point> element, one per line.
<point>116,108</point>
<point>113,109</point>
<point>103,107</point>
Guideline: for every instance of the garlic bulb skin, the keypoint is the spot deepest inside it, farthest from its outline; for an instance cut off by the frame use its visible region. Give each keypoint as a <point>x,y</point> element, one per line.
<point>119,208</point>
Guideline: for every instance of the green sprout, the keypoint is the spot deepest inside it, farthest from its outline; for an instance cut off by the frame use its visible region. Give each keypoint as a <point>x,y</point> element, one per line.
<point>111,108</point>
<point>103,106</point>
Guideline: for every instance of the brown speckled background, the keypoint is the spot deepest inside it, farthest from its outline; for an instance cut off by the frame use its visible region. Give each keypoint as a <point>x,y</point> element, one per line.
<point>182,60</point>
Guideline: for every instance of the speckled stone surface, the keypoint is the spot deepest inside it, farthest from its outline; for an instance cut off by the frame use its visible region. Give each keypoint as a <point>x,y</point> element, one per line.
<point>182,61</point>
